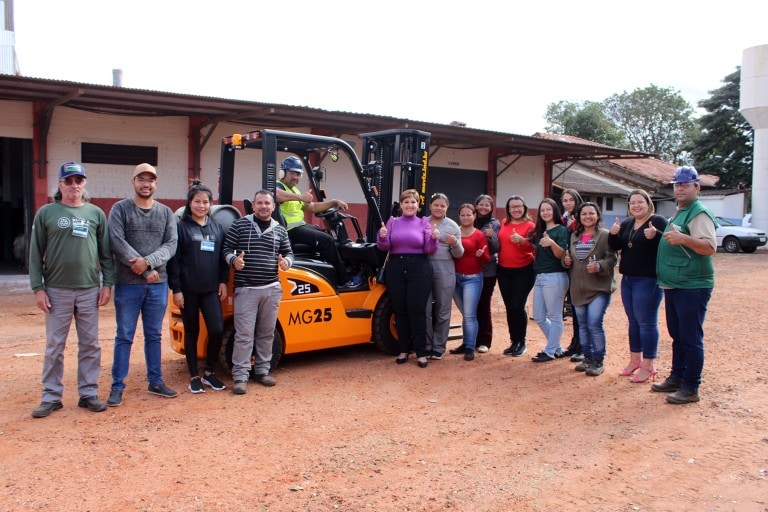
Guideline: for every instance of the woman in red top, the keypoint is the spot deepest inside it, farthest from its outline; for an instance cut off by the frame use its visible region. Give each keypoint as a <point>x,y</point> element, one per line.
<point>469,278</point>
<point>515,271</point>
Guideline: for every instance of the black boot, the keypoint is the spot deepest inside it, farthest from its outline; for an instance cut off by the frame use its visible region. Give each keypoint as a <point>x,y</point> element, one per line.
<point>574,347</point>
<point>461,349</point>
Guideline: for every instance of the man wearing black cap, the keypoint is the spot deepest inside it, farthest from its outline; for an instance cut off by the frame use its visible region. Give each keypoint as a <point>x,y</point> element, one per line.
<point>71,273</point>
<point>686,273</point>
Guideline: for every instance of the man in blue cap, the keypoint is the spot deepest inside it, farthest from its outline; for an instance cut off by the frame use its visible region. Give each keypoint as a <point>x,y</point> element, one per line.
<point>71,272</point>
<point>686,273</point>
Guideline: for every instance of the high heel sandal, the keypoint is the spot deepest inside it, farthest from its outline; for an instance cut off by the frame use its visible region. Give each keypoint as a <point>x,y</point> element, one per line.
<point>651,375</point>
<point>629,370</point>
<point>401,360</point>
<point>422,364</point>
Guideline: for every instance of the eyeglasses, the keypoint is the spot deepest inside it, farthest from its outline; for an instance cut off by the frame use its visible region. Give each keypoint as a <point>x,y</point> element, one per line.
<point>73,179</point>
<point>145,180</point>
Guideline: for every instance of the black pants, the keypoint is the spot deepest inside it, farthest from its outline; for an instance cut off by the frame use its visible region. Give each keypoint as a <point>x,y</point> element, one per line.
<point>321,242</point>
<point>409,281</point>
<point>210,305</point>
<point>515,284</point>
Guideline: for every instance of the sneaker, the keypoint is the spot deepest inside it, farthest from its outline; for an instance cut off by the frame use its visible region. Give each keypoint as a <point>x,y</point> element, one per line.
<point>482,349</point>
<point>585,363</point>
<point>92,403</point>
<point>353,282</point>
<point>115,398</point>
<point>196,385</point>
<point>265,380</point>
<point>595,369</point>
<point>469,355</point>
<point>510,349</point>
<point>46,408</point>
<point>240,387</point>
<point>669,385</point>
<point>520,350</point>
<point>682,396</point>
<point>577,358</point>
<point>435,355</point>
<point>213,382</point>
<point>542,357</point>
<point>161,390</point>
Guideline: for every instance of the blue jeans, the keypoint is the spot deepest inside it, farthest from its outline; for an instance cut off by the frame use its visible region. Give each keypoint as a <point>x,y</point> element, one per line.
<point>149,300</point>
<point>467,296</point>
<point>686,310</point>
<point>591,331</point>
<point>548,297</point>
<point>642,297</point>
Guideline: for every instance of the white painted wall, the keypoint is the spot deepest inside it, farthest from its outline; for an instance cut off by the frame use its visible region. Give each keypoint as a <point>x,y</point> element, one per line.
<point>524,178</point>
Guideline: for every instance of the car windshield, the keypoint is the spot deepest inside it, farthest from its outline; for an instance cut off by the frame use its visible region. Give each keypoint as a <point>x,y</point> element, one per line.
<point>724,222</point>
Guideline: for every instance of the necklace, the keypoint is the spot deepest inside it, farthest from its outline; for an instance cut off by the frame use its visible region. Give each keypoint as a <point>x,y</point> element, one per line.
<point>633,231</point>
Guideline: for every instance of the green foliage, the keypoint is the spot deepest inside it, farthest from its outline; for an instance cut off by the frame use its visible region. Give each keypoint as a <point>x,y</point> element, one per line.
<point>585,120</point>
<point>654,120</point>
<point>724,145</point>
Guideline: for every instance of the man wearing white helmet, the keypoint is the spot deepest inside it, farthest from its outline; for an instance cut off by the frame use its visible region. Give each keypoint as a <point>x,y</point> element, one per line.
<point>293,204</point>
<point>686,273</point>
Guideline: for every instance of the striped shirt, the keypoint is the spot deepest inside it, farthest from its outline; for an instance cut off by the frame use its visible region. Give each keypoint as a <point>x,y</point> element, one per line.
<point>261,248</point>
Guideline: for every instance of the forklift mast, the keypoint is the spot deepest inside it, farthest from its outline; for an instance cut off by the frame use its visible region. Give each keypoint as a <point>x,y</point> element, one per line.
<point>383,153</point>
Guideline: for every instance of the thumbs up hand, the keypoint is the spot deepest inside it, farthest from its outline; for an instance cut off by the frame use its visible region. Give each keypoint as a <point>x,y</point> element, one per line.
<point>615,227</point>
<point>650,232</point>
<point>239,261</point>
<point>282,263</point>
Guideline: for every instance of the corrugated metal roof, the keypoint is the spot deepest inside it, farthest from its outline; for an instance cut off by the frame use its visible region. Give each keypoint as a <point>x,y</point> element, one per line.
<point>126,101</point>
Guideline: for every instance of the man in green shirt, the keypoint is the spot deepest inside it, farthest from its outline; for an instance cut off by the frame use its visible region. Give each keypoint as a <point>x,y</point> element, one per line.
<point>686,273</point>
<point>71,272</point>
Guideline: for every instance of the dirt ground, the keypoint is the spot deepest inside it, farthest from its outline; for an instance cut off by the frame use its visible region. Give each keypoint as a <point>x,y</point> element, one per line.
<point>349,430</point>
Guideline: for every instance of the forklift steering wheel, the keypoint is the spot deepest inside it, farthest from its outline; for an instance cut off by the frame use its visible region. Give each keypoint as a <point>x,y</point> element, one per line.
<point>327,213</point>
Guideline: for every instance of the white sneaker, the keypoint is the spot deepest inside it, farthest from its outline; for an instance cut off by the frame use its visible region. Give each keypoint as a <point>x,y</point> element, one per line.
<point>482,349</point>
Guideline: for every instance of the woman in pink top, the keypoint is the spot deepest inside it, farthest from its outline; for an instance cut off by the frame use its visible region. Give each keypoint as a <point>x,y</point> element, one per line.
<point>469,278</point>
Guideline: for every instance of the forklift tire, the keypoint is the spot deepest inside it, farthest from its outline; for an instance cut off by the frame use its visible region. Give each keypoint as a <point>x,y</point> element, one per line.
<point>383,331</point>
<point>228,342</point>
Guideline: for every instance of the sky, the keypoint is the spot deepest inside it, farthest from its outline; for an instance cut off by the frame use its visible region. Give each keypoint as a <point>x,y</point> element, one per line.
<point>494,65</point>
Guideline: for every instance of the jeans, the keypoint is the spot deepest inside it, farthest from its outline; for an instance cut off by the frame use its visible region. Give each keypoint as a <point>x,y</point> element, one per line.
<point>686,310</point>
<point>467,296</point>
<point>83,304</point>
<point>149,300</point>
<point>548,297</point>
<point>591,330</point>
<point>515,285</point>
<point>642,297</point>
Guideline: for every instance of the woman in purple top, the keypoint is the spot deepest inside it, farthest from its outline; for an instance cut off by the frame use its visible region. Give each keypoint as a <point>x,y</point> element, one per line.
<point>408,275</point>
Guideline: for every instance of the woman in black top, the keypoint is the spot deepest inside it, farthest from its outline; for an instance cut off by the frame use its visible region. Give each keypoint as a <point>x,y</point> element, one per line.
<point>198,275</point>
<point>637,238</point>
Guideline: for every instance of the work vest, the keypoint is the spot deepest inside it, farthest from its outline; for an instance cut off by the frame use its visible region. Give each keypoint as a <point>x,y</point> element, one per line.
<point>292,210</point>
<point>678,266</point>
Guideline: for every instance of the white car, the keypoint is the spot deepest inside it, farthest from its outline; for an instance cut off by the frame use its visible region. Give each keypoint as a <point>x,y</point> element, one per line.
<point>733,238</point>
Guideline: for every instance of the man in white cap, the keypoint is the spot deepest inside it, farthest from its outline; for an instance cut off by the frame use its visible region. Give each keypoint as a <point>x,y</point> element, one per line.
<point>71,273</point>
<point>142,235</point>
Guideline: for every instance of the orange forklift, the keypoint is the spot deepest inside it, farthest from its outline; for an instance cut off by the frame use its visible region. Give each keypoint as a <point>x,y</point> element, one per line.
<point>314,313</point>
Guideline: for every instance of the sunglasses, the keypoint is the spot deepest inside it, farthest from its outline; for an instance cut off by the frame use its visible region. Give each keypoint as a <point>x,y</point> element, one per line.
<point>73,179</point>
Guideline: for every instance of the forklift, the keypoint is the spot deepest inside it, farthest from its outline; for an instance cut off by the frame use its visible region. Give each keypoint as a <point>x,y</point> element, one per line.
<point>314,313</point>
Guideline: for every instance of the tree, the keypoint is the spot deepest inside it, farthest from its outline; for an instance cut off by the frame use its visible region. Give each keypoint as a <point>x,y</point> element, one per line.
<point>654,120</point>
<point>585,120</point>
<point>725,141</point>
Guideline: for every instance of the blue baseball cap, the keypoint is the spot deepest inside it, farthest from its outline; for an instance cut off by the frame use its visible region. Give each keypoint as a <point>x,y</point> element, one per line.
<point>71,169</point>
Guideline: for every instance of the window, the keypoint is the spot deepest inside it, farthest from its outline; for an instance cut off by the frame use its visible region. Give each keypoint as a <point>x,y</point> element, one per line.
<point>609,204</point>
<point>118,154</point>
